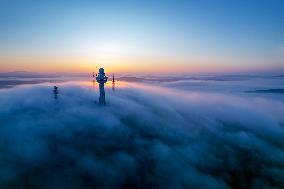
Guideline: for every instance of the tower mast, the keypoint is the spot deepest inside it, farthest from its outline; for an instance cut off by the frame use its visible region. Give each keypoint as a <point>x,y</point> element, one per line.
<point>102,79</point>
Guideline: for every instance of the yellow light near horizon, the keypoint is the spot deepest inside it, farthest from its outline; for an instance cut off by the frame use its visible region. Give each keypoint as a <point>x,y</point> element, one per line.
<point>111,63</point>
<point>115,63</point>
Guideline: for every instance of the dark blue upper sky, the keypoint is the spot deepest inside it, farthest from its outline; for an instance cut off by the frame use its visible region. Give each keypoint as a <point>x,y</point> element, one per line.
<point>234,32</point>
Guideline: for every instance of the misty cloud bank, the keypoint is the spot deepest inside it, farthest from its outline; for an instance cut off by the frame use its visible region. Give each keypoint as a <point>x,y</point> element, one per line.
<point>146,137</point>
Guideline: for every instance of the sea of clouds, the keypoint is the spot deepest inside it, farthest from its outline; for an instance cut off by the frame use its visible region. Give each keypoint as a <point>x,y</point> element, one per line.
<point>145,137</point>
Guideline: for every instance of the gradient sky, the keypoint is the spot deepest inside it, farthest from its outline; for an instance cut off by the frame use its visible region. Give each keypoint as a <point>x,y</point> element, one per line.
<point>142,36</point>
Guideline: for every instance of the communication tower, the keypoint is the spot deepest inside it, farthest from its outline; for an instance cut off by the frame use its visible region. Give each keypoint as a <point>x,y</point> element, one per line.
<point>102,79</point>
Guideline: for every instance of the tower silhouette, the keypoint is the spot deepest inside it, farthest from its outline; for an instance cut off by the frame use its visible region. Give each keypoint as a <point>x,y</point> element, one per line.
<point>113,83</point>
<point>102,79</point>
<point>55,92</point>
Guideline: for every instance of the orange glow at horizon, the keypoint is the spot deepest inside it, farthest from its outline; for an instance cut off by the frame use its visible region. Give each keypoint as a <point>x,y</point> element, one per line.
<point>116,64</point>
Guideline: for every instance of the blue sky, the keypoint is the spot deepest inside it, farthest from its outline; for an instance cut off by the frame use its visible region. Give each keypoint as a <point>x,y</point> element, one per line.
<point>236,33</point>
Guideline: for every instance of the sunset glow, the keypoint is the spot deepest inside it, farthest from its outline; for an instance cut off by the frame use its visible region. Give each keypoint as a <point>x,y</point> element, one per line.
<point>141,94</point>
<point>142,36</point>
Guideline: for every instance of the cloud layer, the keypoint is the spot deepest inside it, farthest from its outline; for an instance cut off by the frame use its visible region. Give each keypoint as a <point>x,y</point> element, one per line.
<point>146,137</point>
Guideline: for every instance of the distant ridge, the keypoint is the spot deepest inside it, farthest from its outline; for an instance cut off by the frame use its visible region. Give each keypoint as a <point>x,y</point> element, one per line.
<point>279,91</point>
<point>198,78</point>
<point>26,74</point>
